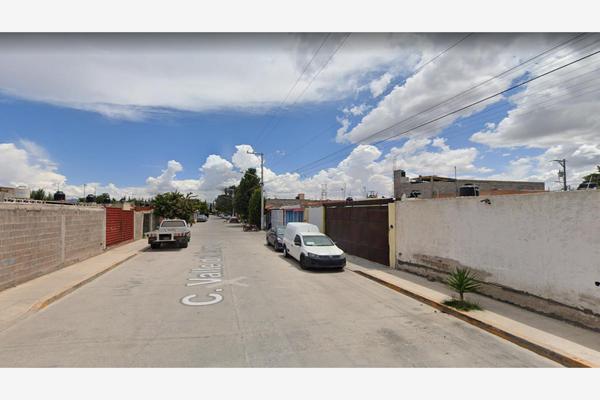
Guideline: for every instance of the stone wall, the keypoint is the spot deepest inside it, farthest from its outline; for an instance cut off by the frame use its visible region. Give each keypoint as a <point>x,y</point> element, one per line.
<point>36,239</point>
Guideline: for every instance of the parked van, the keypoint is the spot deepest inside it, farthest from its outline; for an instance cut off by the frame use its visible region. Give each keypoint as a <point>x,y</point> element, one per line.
<point>311,248</point>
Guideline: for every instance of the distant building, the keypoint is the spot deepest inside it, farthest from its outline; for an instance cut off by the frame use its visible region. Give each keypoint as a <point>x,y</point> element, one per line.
<point>427,187</point>
<point>7,192</point>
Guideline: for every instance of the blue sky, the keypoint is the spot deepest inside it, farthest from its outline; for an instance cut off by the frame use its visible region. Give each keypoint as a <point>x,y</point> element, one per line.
<point>131,116</point>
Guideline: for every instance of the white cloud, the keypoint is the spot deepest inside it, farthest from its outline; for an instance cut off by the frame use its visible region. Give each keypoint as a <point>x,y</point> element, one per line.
<point>365,168</point>
<point>379,85</point>
<point>137,76</point>
<point>477,59</point>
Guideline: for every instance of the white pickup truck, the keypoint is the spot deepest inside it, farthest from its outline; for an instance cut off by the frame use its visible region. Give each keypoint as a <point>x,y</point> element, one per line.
<point>171,231</point>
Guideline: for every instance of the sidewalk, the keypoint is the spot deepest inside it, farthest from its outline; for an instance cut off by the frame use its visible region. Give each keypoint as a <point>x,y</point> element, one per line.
<point>555,339</point>
<point>21,301</point>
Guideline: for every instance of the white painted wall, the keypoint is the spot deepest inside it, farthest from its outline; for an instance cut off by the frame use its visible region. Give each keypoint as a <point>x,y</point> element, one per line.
<point>315,216</point>
<point>546,244</point>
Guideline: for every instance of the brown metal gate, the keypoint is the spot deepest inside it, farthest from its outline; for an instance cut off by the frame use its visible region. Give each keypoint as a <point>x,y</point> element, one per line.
<point>119,225</point>
<point>360,228</point>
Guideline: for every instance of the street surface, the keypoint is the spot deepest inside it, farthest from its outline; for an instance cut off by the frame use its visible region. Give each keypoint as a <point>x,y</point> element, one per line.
<point>230,301</point>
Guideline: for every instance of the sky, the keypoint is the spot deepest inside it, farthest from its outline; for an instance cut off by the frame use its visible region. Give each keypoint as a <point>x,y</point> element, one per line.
<point>141,114</point>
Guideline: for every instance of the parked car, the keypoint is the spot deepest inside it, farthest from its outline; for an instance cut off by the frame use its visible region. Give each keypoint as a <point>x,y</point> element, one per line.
<point>234,220</point>
<point>171,231</point>
<point>275,237</point>
<point>201,218</point>
<point>311,248</point>
<point>588,186</point>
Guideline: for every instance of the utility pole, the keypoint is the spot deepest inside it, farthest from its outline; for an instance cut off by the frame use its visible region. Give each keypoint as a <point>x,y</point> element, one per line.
<point>84,190</point>
<point>563,174</point>
<point>262,189</point>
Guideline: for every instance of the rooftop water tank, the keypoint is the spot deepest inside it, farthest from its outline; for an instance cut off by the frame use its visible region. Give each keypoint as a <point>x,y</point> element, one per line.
<point>59,196</point>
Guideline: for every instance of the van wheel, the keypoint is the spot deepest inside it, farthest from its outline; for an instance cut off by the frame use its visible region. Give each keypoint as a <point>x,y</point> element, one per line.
<point>302,261</point>
<point>285,253</point>
<point>155,245</point>
<point>183,245</point>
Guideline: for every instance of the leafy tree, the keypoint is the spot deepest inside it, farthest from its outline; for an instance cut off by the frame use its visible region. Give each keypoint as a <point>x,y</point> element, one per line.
<point>243,192</point>
<point>591,178</point>
<point>104,198</point>
<point>254,208</point>
<point>174,205</point>
<point>224,202</point>
<point>39,194</point>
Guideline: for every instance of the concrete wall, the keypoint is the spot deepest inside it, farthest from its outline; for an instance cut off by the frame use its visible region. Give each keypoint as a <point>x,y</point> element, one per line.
<point>138,225</point>
<point>36,239</point>
<point>543,244</point>
<point>314,215</point>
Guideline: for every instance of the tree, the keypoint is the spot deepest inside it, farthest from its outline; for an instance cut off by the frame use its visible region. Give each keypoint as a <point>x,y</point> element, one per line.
<point>224,202</point>
<point>104,198</point>
<point>254,208</point>
<point>243,192</point>
<point>591,178</point>
<point>40,194</point>
<point>174,205</point>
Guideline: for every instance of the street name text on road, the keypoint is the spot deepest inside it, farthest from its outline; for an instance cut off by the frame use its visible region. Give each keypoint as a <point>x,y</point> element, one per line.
<point>209,272</point>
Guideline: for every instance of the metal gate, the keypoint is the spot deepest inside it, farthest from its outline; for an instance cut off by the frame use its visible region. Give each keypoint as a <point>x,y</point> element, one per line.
<point>119,225</point>
<point>360,228</point>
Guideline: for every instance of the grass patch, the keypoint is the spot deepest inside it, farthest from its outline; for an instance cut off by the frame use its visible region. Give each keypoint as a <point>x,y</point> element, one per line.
<point>462,305</point>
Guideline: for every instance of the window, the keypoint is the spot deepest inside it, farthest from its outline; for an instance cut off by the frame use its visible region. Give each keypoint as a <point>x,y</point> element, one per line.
<point>297,240</point>
<point>173,224</point>
<point>317,241</point>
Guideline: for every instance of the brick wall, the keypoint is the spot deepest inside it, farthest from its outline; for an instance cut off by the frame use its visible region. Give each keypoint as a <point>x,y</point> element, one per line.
<point>36,239</point>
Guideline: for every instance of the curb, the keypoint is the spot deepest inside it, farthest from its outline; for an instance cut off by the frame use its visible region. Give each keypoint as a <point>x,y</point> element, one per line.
<point>563,359</point>
<point>41,304</point>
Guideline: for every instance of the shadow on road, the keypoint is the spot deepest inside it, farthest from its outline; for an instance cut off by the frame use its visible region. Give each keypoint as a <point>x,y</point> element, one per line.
<point>162,248</point>
<point>292,262</point>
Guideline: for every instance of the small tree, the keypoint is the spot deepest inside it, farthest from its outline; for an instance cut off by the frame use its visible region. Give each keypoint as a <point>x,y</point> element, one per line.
<point>39,194</point>
<point>463,280</point>
<point>254,208</point>
<point>248,183</point>
<point>174,205</point>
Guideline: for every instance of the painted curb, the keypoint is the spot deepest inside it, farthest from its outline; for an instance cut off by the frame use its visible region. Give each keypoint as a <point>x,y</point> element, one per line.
<point>563,359</point>
<point>41,304</point>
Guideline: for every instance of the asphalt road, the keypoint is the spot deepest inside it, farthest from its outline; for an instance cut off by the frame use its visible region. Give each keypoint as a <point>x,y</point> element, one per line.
<point>266,312</point>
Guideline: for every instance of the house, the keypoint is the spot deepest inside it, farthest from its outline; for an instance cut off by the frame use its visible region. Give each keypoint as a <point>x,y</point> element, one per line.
<point>281,211</point>
<point>432,186</point>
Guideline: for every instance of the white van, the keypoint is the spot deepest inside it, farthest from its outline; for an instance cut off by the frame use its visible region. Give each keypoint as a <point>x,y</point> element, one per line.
<point>311,248</point>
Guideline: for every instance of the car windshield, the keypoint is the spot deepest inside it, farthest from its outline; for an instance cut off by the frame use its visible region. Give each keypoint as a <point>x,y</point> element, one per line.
<point>173,224</point>
<point>317,241</point>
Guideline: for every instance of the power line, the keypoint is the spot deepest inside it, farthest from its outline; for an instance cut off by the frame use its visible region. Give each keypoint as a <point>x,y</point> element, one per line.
<point>577,37</point>
<point>339,46</point>
<point>522,83</point>
<point>295,84</point>
<point>462,39</point>
<point>437,105</point>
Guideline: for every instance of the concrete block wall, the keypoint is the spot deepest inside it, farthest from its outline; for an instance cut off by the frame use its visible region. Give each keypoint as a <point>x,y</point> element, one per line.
<point>138,225</point>
<point>36,239</point>
<point>541,251</point>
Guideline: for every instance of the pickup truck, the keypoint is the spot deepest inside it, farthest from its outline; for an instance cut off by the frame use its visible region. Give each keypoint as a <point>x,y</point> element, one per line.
<point>171,231</point>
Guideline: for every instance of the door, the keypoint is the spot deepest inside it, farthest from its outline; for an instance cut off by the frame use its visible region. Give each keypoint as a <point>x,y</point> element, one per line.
<point>360,228</point>
<point>297,247</point>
